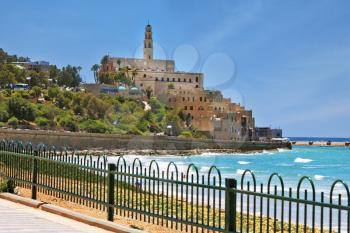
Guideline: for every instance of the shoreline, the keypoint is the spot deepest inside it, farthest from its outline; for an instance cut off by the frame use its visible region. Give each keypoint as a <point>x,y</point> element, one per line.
<point>321,143</point>
<point>118,152</point>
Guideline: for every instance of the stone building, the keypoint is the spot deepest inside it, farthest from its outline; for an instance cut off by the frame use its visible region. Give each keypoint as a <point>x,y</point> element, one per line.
<point>206,110</point>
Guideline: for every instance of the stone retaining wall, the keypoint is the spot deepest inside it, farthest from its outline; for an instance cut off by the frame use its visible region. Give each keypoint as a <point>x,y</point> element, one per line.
<point>133,142</point>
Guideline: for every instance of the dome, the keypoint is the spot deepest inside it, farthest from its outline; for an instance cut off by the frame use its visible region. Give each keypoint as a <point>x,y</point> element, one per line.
<point>121,88</point>
<point>148,28</point>
<point>134,90</point>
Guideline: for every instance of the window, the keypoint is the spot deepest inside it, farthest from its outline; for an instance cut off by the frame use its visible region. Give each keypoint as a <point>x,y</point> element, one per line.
<point>144,75</point>
<point>178,80</point>
<point>173,79</point>
<point>184,80</point>
<point>197,79</point>
<point>162,79</point>
<point>156,79</point>
<point>183,99</point>
<point>192,99</point>
<point>191,108</point>
<point>205,99</point>
<point>197,86</point>
<point>167,79</point>
<point>190,80</point>
<point>141,84</point>
<point>200,99</point>
<point>185,107</point>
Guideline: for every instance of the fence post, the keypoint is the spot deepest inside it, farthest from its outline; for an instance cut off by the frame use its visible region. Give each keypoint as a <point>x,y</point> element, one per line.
<point>110,200</point>
<point>34,175</point>
<point>230,205</point>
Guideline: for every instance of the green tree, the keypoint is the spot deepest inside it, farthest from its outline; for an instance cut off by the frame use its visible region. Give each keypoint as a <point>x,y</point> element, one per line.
<point>95,68</point>
<point>69,76</point>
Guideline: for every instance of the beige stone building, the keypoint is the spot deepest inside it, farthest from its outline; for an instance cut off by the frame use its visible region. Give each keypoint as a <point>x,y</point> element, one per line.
<point>207,111</point>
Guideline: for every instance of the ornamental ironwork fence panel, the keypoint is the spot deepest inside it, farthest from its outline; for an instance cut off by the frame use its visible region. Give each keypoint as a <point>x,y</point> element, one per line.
<point>185,200</point>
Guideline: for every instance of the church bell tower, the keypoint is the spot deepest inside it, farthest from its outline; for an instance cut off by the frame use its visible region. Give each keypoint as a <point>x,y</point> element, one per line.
<point>148,44</point>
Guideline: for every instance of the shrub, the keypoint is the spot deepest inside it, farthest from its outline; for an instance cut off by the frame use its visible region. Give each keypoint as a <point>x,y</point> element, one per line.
<point>41,121</point>
<point>53,92</point>
<point>13,121</point>
<point>4,116</point>
<point>7,186</point>
<point>21,109</point>
<point>68,123</point>
<point>2,124</point>
<point>35,92</point>
<point>95,126</point>
<point>186,134</point>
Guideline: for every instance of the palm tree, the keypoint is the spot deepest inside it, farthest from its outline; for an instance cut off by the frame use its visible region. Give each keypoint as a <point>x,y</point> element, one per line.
<point>95,68</point>
<point>149,92</point>
<point>125,70</point>
<point>134,72</point>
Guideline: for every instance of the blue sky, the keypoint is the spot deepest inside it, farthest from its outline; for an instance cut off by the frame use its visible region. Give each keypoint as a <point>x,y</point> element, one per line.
<point>289,61</point>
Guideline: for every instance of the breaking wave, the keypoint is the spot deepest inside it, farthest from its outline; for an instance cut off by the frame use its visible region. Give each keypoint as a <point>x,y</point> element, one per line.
<point>301,160</point>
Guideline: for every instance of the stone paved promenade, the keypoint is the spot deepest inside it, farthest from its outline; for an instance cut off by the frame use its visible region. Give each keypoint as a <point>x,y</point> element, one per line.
<point>17,218</point>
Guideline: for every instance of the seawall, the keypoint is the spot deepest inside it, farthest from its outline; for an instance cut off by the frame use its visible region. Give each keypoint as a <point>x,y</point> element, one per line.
<point>321,143</point>
<point>82,141</point>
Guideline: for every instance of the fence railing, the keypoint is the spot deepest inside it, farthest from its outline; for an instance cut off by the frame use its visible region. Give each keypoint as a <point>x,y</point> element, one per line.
<point>185,200</point>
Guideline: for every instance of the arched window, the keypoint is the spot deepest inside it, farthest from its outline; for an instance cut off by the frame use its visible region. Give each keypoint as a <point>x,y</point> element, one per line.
<point>162,79</point>
<point>190,80</point>
<point>184,80</point>
<point>173,79</point>
<point>197,79</point>
<point>178,80</point>
<point>167,79</point>
<point>156,79</point>
<point>144,75</point>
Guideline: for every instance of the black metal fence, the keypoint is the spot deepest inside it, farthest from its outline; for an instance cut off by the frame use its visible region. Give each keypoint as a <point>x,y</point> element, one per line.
<point>187,201</point>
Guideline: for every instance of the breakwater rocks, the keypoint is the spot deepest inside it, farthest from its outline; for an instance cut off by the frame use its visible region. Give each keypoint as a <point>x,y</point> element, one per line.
<point>136,143</point>
<point>329,143</point>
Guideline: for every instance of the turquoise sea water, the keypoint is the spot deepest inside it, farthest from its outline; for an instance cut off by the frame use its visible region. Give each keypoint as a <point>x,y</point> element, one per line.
<point>323,165</point>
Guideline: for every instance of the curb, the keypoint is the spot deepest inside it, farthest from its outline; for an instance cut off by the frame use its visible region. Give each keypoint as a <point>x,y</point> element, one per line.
<point>110,226</point>
<point>21,200</point>
<point>103,224</point>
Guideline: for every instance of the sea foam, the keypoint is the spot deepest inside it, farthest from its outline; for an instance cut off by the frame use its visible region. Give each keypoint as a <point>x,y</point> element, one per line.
<point>301,160</point>
<point>319,177</point>
<point>240,172</point>
<point>243,162</point>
